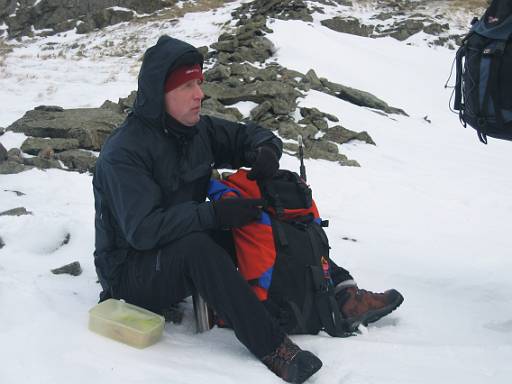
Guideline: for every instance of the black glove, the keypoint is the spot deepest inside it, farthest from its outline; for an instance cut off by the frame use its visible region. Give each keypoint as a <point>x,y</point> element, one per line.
<point>237,212</point>
<point>265,165</point>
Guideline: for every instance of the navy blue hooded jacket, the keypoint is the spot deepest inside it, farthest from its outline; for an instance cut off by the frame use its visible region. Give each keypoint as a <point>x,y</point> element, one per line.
<point>151,177</point>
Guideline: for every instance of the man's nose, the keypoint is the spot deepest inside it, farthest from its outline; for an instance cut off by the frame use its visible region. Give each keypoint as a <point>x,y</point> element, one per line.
<point>198,92</point>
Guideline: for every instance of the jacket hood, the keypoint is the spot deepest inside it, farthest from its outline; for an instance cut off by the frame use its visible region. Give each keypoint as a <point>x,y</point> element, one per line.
<point>165,56</point>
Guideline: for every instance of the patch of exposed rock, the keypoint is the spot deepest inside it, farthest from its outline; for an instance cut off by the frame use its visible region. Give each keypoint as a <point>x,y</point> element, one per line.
<point>22,17</point>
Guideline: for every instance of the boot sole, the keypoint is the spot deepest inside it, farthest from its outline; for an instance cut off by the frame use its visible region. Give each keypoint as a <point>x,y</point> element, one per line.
<point>304,366</point>
<point>373,316</point>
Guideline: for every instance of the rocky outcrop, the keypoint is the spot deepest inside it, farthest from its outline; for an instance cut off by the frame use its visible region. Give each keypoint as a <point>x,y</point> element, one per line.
<point>348,25</point>
<point>53,16</point>
<point>61,138</point>
<point>277,9</point>
<point>238,71</point>
<point>87,126</point>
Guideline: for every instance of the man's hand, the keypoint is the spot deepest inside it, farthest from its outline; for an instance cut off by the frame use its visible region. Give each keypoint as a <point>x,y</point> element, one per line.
<point>266,164</point>
<point>237,212</point>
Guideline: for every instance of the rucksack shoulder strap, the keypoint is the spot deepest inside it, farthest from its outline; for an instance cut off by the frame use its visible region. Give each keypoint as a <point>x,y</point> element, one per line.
<point>327,307</point>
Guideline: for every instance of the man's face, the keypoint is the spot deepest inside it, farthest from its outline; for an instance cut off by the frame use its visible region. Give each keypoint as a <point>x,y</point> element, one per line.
<point>184,103</point>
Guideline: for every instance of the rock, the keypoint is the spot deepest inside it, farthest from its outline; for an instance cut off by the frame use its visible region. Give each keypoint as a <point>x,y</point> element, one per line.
<point>436,28</point>
<point>2,244</point>
<point>11,167</point>
<point>283,106</point>
<point>218,73</point>
<point>402,30</point>
<point>341,135</point>
<point>313,79</point>
<point>78,160</point>
<point>58,16</point>
<point>19,211</point>
<point>257,92</point>
<point>2,131</point>
<point>260,110</point>
<point>321,149</point>
<point>213,107</point>
<point>109,16</point>
<point>290,130</point>
<point>3,153</point>
<point>348,25</point>
<point>229,46</point>
<point>90,126</point>
<point>314,113</point>
<point>357,97</point>
<point>46,153</point>
<point>18,193</point>
<point>42,163</point>
<point>49,108</point>
<point>33,145</point>
<point>203,50</point>
<point>174,314</point>
<point>126,103</point>
<point>73,269</point>
<point>14,155</point>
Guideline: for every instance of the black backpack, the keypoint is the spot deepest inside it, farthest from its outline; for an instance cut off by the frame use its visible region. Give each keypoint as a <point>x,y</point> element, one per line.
<point>285,257</point>
<point>483,88</point>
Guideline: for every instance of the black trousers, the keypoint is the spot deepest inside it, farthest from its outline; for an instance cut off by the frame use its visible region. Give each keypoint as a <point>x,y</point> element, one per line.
<point>159,278</point>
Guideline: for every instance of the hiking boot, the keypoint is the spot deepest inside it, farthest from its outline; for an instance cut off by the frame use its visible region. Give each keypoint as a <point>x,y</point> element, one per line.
<point>359,306</point>
<point>291,363</point>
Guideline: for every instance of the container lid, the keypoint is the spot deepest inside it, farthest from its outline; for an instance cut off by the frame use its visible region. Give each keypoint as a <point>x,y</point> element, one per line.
<point>127,315</point>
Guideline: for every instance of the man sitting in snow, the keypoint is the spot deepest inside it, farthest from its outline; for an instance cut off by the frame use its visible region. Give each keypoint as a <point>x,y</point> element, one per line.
<point>154,230</point>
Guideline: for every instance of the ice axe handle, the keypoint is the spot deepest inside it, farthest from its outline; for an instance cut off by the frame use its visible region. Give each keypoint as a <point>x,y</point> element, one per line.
<point>302,169</point>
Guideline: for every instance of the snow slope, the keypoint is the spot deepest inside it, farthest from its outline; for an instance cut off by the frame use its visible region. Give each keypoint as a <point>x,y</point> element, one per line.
<point>430,209</point>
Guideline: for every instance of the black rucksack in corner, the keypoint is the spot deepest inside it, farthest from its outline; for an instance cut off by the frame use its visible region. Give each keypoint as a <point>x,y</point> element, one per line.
<point>483,88</point>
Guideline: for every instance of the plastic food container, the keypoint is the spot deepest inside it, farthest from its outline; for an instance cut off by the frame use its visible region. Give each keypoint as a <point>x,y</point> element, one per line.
<point>127,323</point>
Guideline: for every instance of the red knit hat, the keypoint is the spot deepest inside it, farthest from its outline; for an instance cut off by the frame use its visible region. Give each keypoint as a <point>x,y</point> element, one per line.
<point>181,75</point>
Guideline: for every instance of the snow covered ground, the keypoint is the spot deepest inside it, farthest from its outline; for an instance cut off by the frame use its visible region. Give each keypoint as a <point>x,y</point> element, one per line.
<point>430,209</point>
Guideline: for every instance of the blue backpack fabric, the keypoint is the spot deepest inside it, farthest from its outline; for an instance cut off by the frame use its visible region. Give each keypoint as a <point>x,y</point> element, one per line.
<point>483,88</point>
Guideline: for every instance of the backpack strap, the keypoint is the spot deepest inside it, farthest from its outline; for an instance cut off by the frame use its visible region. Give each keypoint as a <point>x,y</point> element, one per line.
<point>457,105</point>
<point>326,305</point>
<point>495,52</point>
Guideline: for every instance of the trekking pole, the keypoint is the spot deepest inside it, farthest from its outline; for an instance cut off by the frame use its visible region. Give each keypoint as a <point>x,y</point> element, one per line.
<point>301,158</point>
<point>201,313</point>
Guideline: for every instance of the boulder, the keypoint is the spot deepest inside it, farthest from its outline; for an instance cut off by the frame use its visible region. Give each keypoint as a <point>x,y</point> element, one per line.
<point>11,167</point>
<point>290,130</point>
<point>42,163</point>
<point>218,73</point>
<point>78,160</point>
<point>19,211</point>
<point>322,149</point>
<point>436,28</point>
<point>257,92</point>
<point>402,30</point>
<point>214,107</point>
<point>33,145</point>
<point>73,269</point>
<point>348,25</point>
<point>260,110</point>
<point>3,153</point>
<point>358,97</point>
<point>90,126</point>
<point>14,155</point>
<point>342,135</point>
